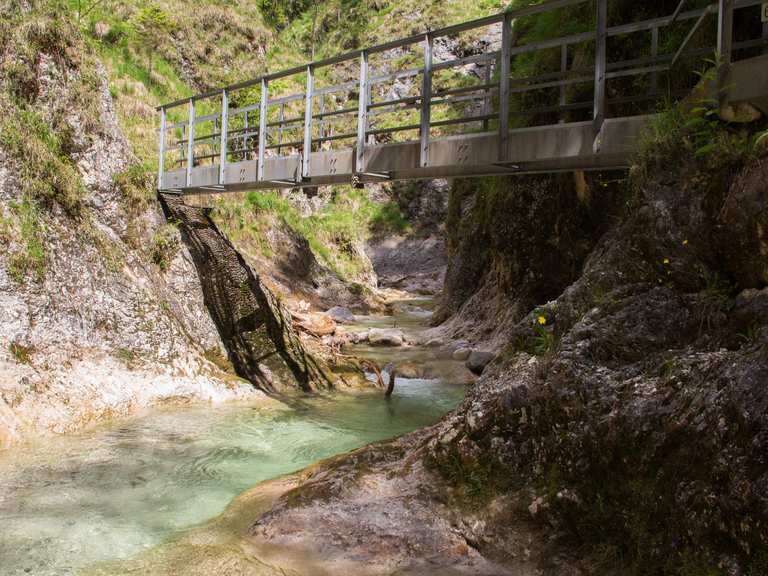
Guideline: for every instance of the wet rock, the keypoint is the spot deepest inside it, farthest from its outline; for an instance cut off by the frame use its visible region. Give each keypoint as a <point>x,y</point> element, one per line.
<point>409,370</point>
<point>478,360</point>
<point>743,228</point>
<point>413,264</point>
<point>341,314</point>
<point>386,337</point>
<point>461,354</point>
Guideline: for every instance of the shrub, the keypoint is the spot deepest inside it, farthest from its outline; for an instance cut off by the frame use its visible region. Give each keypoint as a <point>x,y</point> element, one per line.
<point>135,185</point>
<point>22,354</point>
<point>165,246</point>
<point>279,13</point>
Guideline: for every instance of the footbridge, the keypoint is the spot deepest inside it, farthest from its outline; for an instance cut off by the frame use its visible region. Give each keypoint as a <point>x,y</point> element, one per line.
<point>454,102</point>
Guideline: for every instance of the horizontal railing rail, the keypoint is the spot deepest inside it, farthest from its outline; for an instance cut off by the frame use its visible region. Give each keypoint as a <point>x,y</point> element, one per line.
<point>383,105</point>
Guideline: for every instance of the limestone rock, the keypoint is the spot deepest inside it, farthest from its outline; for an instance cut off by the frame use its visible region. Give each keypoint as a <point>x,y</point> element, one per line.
<point>341,314</point>
<point>386,337</point>
<point>478,360</point>
<point>461,354</point>
<point>253,324</point>
<point>316,323</point>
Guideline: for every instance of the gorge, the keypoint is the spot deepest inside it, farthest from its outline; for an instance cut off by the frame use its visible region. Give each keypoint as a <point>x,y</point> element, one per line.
<point>192,383</point>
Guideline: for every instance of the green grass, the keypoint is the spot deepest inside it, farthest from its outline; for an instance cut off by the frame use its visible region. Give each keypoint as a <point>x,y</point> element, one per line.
<point>31,257</point>
<point>165,246</point>
<point>333,233</point>
<point>22,354</point>
<point>47,172</point>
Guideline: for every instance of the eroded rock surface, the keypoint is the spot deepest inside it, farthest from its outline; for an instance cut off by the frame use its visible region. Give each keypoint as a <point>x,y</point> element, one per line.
<point>627,416</point>
<point>257,331</point>
<point>97,329</point>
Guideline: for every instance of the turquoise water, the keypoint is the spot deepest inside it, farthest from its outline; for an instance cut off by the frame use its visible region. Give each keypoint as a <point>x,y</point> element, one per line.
<point>111,492</point>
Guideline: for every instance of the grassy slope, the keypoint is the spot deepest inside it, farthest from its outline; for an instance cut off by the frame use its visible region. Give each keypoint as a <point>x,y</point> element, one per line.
<point>225,41</point>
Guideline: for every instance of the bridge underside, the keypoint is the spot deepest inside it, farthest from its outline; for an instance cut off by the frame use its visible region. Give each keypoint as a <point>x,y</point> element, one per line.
<point>530,150</point>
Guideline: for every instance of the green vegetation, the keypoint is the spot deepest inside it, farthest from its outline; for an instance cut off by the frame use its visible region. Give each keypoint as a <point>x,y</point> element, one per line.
<point>47,172</point>
<point>693,128</point>
<point>22,354</point>
<point>540,342</point>
<point>151,25</point>
<point>165,246</point>
<point>40,136</point>
<point>31,257</point>
<point>127,357</point>
<point>279,13</point>
<point>136,186</point>
<point>475,482</point>
<point>334,233</point>
<point>220,360</point>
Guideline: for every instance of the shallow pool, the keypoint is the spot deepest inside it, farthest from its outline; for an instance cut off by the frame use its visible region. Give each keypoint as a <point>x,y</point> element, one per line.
<point>111,492</point>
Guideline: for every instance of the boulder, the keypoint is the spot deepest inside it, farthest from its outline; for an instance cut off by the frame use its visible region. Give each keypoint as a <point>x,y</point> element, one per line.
<point>358,337</point>
<point>478,360</point>
<point>461,354</point>
<point>316,323</point>
<point>386,337</point>
<point>341,314</point>
<point>409,370</point>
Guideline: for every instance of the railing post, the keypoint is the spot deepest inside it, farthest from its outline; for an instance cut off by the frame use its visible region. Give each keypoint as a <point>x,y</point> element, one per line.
<point>724,46</point>
<point>563,71</point>
<point>161,146</point>
<point>487,100</point>
<point>262,128</point>
<point>244,137</point>
<point>654,55</point>
<point>224,130</point>
<point>600,56</point>
<point>305,157</point>
<point>362,114</point>
<point>426,102</point>
<point>321,121</point>
<point>190,141</point>
<point>506,61</point>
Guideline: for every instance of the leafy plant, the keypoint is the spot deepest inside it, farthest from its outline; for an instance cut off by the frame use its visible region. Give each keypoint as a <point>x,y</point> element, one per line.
<point>22,354</point>
<point>165,246</point>
<point>151,25</point>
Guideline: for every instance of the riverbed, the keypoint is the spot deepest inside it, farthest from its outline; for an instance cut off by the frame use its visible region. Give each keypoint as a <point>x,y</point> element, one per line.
<point>111,492</point>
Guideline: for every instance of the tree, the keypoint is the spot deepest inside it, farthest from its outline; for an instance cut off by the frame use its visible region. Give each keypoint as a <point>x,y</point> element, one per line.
<point>279,13</point>
<point>151,24</point>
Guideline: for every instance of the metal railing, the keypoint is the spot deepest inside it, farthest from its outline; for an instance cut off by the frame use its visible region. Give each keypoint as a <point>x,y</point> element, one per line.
<point>303,122</point>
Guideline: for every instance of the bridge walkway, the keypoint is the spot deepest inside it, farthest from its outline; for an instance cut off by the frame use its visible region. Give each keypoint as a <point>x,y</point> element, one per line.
<point>362,119</point>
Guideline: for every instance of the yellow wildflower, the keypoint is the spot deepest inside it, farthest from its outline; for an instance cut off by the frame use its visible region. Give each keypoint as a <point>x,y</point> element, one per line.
<point>542,320</point>
<point>666,260</point>
<point>685,242</point>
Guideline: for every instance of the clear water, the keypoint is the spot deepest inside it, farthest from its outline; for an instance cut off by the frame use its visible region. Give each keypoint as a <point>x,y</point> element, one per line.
<point>111,492</point>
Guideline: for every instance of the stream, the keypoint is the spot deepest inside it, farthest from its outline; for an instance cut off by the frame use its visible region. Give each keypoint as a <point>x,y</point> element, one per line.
<point>110,492</point>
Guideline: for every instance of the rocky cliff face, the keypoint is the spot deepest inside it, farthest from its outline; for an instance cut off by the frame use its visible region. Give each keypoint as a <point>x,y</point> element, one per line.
<point>101,310</point>
<point>517,242</point>
<point>623,427</point>
<point>639,421</point>
<point>256,329</point>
